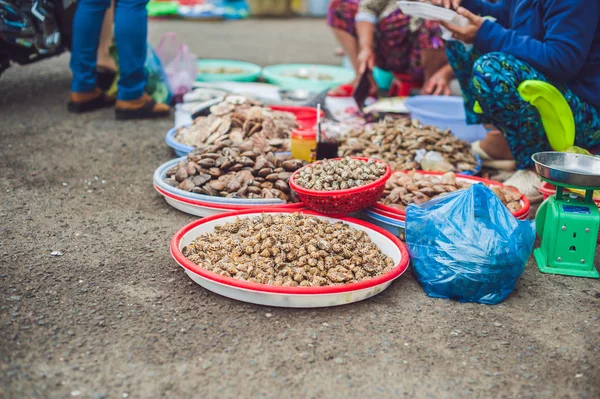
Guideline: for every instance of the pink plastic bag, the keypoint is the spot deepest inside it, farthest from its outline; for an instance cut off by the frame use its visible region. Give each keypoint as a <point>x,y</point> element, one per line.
<point>179,63</point>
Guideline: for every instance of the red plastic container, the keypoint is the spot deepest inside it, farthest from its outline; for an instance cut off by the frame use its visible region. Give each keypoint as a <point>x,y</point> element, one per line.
<point>521,214</point>
<point>403,85</point>
<point>340,202</point>
<point>305,116</point>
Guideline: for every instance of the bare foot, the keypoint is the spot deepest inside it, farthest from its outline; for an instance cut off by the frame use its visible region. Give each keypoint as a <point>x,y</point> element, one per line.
<point>496,146</point>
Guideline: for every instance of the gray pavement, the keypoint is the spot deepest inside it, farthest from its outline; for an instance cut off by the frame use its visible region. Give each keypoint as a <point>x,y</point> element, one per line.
<point>115,317</point>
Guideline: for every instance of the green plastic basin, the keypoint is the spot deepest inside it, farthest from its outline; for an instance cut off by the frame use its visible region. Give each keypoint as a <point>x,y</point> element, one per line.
<point>250,72</point>
<point>280,75</point>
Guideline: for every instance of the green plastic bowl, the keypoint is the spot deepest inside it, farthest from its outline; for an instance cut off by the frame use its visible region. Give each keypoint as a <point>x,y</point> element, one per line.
<point>250,73</point>
<point>278,75</point>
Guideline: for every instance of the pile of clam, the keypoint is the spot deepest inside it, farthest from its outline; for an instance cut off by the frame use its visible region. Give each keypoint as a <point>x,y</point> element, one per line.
<point>289,250</point>
<point>238,119</point>
<point>403,189</point>
<point>340,174</point>
<point>399,141</point>
<point>235,172</point>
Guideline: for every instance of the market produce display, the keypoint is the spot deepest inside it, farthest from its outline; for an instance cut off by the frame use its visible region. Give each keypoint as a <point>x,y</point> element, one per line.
<point>289,250</point>
<point>340,174</point>
<point>235,172</point>
<point>237,119</point>
<point>407,145</point>
<point>403,189</point>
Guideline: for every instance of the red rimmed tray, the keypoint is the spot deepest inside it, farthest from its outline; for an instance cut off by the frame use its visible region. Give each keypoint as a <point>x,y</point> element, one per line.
<point>289,296</point>
<point>203,208</point>
<point>521,214</point>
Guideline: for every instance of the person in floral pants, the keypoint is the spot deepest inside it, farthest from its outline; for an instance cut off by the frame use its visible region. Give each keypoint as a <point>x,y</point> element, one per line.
<point>376,33</point>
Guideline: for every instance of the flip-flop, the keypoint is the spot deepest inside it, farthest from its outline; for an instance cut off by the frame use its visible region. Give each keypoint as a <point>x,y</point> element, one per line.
<point>101,101</point>
<point>146,111</point>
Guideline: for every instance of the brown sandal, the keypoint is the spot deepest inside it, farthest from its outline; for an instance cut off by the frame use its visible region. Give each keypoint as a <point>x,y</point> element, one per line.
<point>142,108</point>
<point>89,101</point>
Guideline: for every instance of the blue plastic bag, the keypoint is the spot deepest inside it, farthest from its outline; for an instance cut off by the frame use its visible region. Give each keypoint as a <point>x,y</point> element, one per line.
<point>467,246</point>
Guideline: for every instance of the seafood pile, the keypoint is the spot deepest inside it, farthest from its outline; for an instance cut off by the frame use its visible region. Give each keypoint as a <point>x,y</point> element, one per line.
<point>289,250</point>
<point>340,174</point>
<point>399,142</point>
<point>403,189</point>
<point>309,73</point>
<point>220,70</point>
<point>235,172</point>
<point>237,119</point>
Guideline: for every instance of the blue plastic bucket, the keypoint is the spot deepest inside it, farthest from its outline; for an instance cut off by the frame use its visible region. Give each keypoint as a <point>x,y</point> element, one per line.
<point>445,113</point>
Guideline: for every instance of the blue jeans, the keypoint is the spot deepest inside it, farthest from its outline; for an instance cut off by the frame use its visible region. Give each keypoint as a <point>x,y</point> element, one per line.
<point>131,31</point>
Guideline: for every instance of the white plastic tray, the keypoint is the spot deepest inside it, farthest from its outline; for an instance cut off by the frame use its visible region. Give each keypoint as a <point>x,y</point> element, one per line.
<point>202,208</point>
<point>293,297</point>
<point>426,11</point>
<point>433,13</point>
<point>196,210</point>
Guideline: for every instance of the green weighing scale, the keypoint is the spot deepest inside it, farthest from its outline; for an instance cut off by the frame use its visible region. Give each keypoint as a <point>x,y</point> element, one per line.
<point>567,222</point>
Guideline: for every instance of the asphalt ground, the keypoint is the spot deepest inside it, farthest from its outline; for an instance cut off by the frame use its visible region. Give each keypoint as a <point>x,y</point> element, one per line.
<point>114,316</point>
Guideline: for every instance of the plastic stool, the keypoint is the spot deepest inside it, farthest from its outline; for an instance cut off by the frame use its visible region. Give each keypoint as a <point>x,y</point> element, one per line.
<point>403,85</point>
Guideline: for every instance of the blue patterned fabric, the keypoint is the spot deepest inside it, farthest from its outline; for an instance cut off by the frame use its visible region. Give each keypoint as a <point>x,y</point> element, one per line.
<point>492,80</point>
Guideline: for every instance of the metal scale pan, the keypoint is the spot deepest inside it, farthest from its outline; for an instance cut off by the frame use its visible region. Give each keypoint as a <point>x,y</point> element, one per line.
<point>570,170</point>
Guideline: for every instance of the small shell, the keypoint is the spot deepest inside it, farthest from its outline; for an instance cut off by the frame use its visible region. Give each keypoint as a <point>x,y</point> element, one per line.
<point>181,174</point>
<point>201,180</point>
<point>207,162</point>
<point>186,185</point>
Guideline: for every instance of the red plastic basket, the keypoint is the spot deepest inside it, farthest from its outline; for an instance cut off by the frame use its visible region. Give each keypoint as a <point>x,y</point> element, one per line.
<point>339,202</point>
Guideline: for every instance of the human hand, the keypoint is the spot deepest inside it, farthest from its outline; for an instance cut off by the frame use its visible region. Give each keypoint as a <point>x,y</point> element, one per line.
<point>447,3</point>
<point>439,83</point>
<point>366,60</point>
<point>465,34</point>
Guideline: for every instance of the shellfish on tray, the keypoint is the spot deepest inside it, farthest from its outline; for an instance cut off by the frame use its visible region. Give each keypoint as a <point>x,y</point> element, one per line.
<point>237,119</point>
<point>399,141</point>
<point>403,189</point>
<point>235,172</point>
